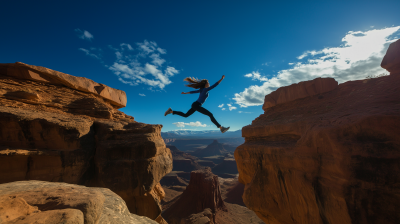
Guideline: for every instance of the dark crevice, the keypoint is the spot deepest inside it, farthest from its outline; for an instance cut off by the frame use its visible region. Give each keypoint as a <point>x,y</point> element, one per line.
<point>282,181</point>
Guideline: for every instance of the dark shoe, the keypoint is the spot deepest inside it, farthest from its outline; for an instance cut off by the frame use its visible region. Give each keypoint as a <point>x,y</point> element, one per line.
<point>224,129</point>
<point>168,111</point>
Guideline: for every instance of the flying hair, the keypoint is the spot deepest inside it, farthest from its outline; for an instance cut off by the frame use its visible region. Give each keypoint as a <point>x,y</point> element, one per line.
<point>195,83</point>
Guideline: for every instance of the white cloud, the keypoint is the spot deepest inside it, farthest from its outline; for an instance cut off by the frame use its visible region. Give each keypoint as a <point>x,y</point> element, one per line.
<point>87,52</point>
<point>127,46</point>
<point>266,63</point>
<point>243,112</point>
<point>85,35</point>
<point>223,109</point>
<point>221,105</point>
<point>192,124</point>
<point>141,94</point>
<point>231,107</point>
<point>256,76</point>
<point>144,66</point>
<point>359,56</point>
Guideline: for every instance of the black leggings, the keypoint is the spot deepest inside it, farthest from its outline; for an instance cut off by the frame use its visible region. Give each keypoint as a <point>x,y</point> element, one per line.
<point>196,106</point>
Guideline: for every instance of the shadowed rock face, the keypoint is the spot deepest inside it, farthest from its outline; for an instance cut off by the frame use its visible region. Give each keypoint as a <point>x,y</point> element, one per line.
<point>391,61</point>
<point>328,159</point>
<point>56,133</point>
<point>202,192</point>
<point>46,202</point>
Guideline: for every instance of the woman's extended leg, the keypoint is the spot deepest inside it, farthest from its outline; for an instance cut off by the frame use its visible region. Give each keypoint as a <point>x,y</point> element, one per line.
<point>208,113</point>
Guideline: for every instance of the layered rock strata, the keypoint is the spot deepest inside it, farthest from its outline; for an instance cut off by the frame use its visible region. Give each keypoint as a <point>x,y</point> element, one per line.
<point>46,202</point>
<point>202,192</point>
<point>213,149</point>
<point>332,158</point>
<point>299,90</point>
<point>56,132</point>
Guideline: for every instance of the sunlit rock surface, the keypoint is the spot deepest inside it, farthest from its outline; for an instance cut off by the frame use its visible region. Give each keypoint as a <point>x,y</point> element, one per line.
<point>328,158</point>
<point>59,130</point>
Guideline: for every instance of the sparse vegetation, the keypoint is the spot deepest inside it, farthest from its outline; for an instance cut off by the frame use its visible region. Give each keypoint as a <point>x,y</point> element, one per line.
<point>376,76</point>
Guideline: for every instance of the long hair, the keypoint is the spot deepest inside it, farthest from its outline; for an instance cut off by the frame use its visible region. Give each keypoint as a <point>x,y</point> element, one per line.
<point>195,83</point>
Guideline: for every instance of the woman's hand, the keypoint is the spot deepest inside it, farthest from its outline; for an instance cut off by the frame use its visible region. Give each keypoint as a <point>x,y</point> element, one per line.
<point>221,79</point>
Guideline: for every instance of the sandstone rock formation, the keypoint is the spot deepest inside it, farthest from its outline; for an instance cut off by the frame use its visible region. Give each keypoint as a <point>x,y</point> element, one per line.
<point>46,202</point>
<point>41,74</point>
<point>202,192</point>
<point>172,179</point>
<point>299,90</point>
<point>332,158</point>
<point>391,61</point>
<point>59,130</point>
<point>215,148</point>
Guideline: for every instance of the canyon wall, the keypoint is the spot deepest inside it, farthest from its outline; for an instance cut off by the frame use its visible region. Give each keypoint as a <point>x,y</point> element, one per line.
<point>61,128</point>
<point>329,157</point>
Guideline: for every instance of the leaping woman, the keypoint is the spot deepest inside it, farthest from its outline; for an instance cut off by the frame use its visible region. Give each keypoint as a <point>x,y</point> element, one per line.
<point>204,87</point>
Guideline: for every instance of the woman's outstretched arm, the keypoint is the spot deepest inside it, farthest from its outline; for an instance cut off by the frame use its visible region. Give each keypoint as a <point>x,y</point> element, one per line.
<point>216,84</point>
<point>196,91</point>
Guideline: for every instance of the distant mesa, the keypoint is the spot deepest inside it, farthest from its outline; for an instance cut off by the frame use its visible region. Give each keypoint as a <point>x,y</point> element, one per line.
<point>215,148</point>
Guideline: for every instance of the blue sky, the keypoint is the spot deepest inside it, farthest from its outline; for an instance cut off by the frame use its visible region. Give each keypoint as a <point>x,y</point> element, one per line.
<point>147,48</point>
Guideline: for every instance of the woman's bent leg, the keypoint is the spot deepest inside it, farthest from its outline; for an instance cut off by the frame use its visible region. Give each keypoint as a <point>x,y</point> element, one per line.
<point>190,112</point>
<point>208,113</point>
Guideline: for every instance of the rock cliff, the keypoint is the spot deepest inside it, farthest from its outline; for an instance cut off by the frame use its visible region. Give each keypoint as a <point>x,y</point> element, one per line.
<point>61,128</point>
<point>46,202</point>
<point>203,192</point>
<point>333,157</point>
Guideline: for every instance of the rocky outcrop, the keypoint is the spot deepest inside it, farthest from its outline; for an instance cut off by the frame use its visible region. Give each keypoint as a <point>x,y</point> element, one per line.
<point>41,74</point>
<point>46,202</point>
<point>391,61</point>
<point>61,133</point>
<point>213,149</point>
<point>172,179</point>
<point>332,158</point>
<point>299,90</point>
<point>202,192</point>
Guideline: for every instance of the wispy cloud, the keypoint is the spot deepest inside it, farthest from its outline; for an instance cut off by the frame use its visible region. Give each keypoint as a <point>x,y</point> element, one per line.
<point>192,124</point>
<point>231,107</point>
<point>359,56</point>
<point>90,53</point>
<point>141,94</point>
<point>221,105</point>
<point>143,65</point>
<point>223,109</point>
<point>84,34</point>
<point>244,112</point>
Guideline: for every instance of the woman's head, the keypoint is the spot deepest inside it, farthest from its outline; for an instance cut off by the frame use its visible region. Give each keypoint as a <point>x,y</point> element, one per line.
<point>197,84</point>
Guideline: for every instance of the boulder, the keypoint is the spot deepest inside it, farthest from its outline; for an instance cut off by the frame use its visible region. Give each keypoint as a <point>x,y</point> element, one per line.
<point>202,192</point>
<point>41,74</point>
<point>328,159</point>
<point>46,202</point>
<point>299,90</point>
